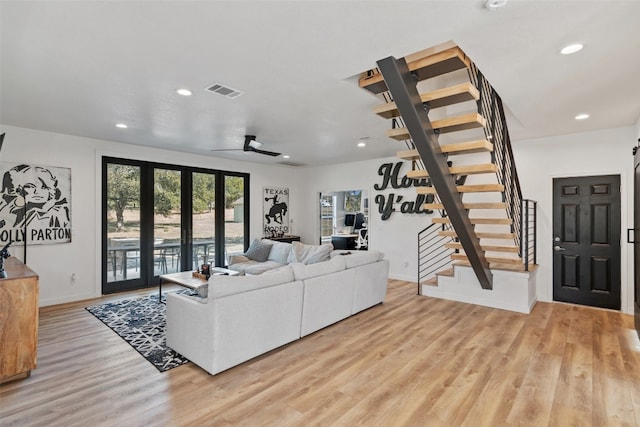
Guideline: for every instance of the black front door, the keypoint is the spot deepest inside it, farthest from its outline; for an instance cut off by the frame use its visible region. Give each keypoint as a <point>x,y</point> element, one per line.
<point>586,240</point>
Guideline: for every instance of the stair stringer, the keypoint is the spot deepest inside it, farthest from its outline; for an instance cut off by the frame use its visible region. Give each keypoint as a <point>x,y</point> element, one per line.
<point>513,291</point>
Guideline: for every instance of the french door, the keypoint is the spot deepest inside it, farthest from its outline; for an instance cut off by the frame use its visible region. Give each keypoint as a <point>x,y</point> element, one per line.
<point>160,219</point>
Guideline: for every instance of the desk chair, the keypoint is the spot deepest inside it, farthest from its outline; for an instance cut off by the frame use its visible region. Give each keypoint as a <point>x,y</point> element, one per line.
<point>363,239</point>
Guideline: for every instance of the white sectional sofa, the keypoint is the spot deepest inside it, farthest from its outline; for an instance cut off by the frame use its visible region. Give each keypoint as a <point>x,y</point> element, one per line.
<point>245,316</point>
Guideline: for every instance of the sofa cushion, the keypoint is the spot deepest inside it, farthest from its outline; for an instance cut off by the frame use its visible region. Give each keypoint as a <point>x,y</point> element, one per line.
<point>280,252</point>
<point>258,251</point>
<point>358,258</point>
<point>307,271</point>
<point>254,267</point>
<point>221,286</point>
<point>261,267</point>
<point>309,254</point>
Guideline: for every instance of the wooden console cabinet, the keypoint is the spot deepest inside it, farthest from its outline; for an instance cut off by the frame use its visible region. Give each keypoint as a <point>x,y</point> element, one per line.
<point>18,321</point>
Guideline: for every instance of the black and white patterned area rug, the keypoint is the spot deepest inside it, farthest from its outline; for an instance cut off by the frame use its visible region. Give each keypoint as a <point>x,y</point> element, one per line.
<point>141,322</point>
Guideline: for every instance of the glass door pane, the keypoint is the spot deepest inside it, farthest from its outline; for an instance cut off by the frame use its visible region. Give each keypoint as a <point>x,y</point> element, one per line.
<point>123,222</point>
<point>203,213</point>
<point>234,226</point>
<point>167,221</point>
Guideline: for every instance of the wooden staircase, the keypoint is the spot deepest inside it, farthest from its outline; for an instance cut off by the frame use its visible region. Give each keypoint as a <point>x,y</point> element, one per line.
<point>477,217</point>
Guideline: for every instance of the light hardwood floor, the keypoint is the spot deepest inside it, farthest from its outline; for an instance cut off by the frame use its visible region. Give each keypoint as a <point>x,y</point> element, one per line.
<point>412,361</point>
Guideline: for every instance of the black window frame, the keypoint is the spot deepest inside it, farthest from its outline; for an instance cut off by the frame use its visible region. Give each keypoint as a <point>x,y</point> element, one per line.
<point>147,277</point>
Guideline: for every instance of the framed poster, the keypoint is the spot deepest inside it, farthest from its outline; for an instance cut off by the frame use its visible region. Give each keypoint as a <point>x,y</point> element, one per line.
<point>35,204</point>
<point>276,211</point>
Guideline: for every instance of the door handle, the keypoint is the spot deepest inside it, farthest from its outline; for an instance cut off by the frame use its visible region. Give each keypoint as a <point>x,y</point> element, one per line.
<point>558,249</point>
<point>630,233</point>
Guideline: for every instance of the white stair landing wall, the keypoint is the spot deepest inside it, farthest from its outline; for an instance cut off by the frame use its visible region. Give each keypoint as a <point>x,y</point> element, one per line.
<point>513,291</point>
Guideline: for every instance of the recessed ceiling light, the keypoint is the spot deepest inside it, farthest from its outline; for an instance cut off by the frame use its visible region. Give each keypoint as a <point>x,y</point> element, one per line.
<point>121,126</point>
<point>572,48</point>
<point>495,4</point>
<point>184,92</point>
<point>582,116</point>
<point>286,157</point>
<point>362,144</point>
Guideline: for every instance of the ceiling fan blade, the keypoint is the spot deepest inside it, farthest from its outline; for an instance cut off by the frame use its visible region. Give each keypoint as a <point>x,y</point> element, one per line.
<point>251,145</point>
<point>266,153</point>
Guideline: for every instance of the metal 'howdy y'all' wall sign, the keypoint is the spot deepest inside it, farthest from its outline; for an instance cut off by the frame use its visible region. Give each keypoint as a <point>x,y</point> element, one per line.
<point>388,204</point>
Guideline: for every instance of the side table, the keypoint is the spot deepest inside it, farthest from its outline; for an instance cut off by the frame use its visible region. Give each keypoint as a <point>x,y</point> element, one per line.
<point>285,239</point>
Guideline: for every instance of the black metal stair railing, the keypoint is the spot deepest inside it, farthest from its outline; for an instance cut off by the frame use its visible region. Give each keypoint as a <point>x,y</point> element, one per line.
<point>529,229</point>
<point>521,211</point>
<point>490,107</point>
<point>433,255</point>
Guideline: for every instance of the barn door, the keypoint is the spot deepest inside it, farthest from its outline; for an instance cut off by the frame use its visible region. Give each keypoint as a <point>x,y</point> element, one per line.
<point>636,236</point>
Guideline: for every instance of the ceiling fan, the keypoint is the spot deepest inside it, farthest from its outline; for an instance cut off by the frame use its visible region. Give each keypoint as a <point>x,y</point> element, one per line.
<point>251,145</point>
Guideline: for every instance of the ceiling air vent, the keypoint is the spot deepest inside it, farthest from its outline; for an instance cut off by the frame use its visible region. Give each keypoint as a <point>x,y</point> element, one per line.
<point>291,164</point>
<point>224,90</point>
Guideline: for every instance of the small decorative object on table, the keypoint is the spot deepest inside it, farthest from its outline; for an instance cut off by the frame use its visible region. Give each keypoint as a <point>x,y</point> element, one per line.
<point>204,270</point>
<point>199,275</point>
<point>4,254</point>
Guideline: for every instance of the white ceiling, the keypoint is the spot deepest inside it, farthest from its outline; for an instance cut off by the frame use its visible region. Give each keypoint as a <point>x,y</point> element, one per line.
<point>80,67</point>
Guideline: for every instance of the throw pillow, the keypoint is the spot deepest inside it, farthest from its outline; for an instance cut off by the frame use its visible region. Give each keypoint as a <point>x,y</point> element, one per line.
<point>258,251</point>
<point>280,252</point>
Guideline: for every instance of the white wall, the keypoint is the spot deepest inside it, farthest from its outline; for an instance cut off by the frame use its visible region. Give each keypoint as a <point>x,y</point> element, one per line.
<point>396,237</point>
<point>56,263</point>
<point>605,152</point>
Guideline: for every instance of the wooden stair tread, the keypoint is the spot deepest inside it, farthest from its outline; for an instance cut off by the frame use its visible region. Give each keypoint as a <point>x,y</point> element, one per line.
<point>468,147</point>
<point>438,98</point>
<point>480,235</point>
<point>478,146</point>
<point>450,124</point>
<point>457,170</point>
<point>486,248</point>
<point>471,205</point>
<point>477,188</point>
<point>498,266</point>
<point>501,221</point>
<point>490,260</point>
<point>424,65</point>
